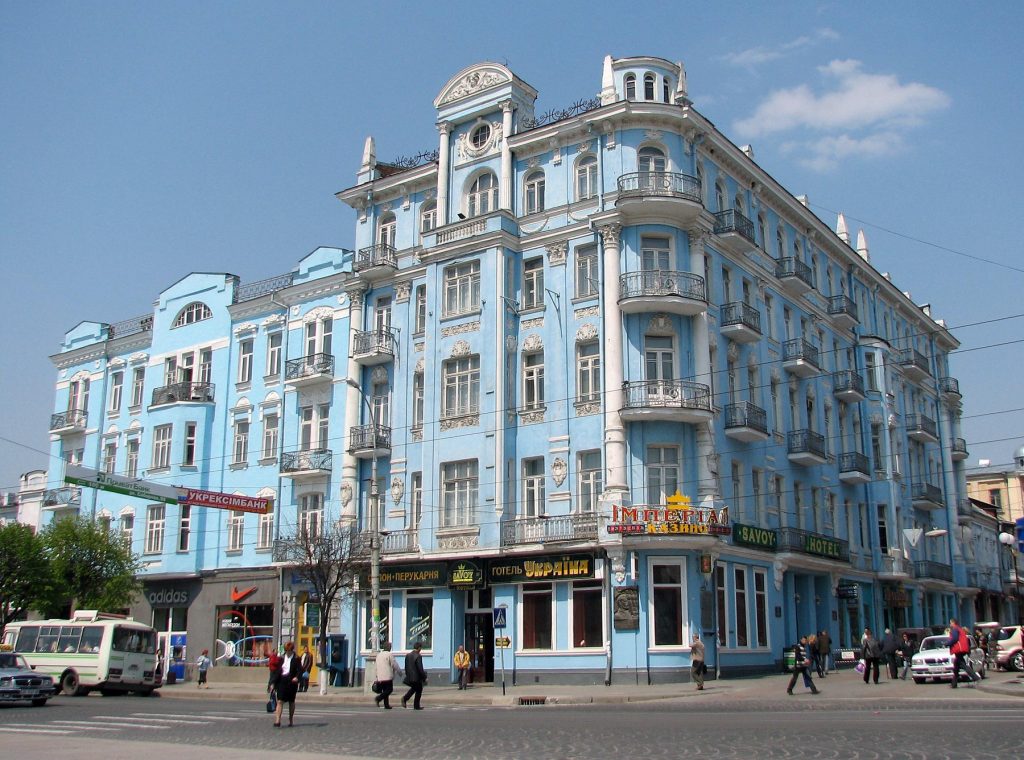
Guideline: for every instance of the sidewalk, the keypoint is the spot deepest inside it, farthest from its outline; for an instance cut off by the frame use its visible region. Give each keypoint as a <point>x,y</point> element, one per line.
<point>844,685</point>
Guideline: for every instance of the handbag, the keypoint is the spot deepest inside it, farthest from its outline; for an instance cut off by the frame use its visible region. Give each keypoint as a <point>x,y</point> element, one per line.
<point>272,702</point>
<point>376,687</point>
<point>861,665</point>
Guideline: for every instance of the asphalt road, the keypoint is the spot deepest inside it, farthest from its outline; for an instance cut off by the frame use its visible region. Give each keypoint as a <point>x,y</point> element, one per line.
<point>97,728</point>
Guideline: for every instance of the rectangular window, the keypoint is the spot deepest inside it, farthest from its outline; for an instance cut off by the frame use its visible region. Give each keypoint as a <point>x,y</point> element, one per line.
<point>236,529</point>
<point>740,597</point>
<point>589,480</point>
<point>245,361</point>
<point>274,343</point>
<point>533,487</point>
<point>533,380</point>
<point>876,447</point>
<point>462,288</point>
<point>110,457</point>
<point>116,388</point>
<point>721,605</point>
<point>161,447</point>
<point>761,607</point>
<point>587,615</point>
<point>419,619</point>
<point>265,531</point>
<point>778,494</point>
<point>311,513</point>
<point>184,527</point>
<point>662,473</point>
<point>883,531</point>
<point>127,529</point>
<point>461,386</point>
<point>769,316</point>
<point>870,371</point>
<point>383,631</point>
<point>420,324</point>
<point>655,254</point>
<point>155,528</point>
<point>416,502</point>
<point>459,493</point>
<point>588,372</point>
<point>667,602</point>
<point>417,400</point>
<point>131,460</point>
<point>757,495</point>
<point>138,385</point>
<point>533,283</point>
<point>188,458</point>
<point>240,451</point>
<point>271,426</point>
<point>587,275</point>
<point>538,620</point>
<point>737,489</point>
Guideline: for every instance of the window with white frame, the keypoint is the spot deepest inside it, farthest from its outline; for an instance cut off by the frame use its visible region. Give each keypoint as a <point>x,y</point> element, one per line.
<point>533,380</point>
<point>587,275</point>
<point>265,531</point>
<point>184,527</point>
<point>630,86</point>
<point>319,338</point>
<point>721,605</point>
<point>739,595</point>
<point>428,217</point>
<point>667,602</point>
<point>655,254</point>
<point>240,450</point>
<point>662,473</point>
<point>533,283</point>
<point>236,530</point>
<point>462,288</point>
<point>459,493</point>
<point>274,344</point>
<point>193,312</point>
<point>138,385</point>
<point>313,425</point>
<point>382,314</point>
<point>590,479</point>
<point>131,458</point>
<point>483,195</point>
<point>533,192</point>
<point>419,618</point>
<point>651,160</point>
<point>756,495</point>
<point>649,85</point>
<point>461,386</point>
<point>110,456</point>
<point>78,395</point>
<point>533,487</point>
<point>386,230</point>
<point>587,615</point>
<point>417,399</point>
<point>271,431</point>
<point>586,178</point>
<point>538,618</point>
<point>116,389</point>
<point>161,447</point>
<point>420,324</point>
<point>311,514</point>
<point>245,361</point>
<point>665,90</point>
<point>188,454</point>
<point>155,523</point>
<point>380,401</point>
<point>416,501</point>
<point>760,607</point>
<point>720,203</point>
<point>127,528</point>
<point>588,371</point>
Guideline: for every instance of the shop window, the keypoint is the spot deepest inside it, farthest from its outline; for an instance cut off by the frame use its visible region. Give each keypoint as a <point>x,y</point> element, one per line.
<point>667,602</point>
<point>587,614</point>
<point>250,630</point>
<point>419,619</point>
<point>761,607</point>
<point>384,633</point>
<point>740,597</point>
<point>538,621</point>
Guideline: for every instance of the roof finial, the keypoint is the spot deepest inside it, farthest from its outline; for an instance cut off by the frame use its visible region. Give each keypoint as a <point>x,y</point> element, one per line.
<point>607,82</point>
<point>862,246</point>
<point>841,230</point>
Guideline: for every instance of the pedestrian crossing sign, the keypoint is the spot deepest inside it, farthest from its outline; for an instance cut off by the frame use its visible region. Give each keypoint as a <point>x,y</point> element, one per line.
<point>499,617</point>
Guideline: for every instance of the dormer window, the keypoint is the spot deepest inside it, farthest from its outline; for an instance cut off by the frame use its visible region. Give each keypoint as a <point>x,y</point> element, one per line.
<point>665,90</point>
<point>194,312</point>
<point>630,83</point>
<point>480,135</point>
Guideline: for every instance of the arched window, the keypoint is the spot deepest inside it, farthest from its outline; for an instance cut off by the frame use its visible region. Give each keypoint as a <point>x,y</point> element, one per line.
<point>428,216</point>
<point>630,82</point>
<point>651,160</point>
<point>739,205</point>
<point>483,195</point>
<point>700,181</point>
<point>665,91</point>
<point>586,178</point>
<point>649,81</point>
<point>386,230</point>
<point>780,242</point>
<point>194,312</point>
<point>720,196</point>
<point>534,192</point>
<point>762,223</point>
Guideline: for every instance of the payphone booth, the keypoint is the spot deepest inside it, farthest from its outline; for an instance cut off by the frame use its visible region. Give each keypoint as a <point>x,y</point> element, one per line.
<point>176,656</point>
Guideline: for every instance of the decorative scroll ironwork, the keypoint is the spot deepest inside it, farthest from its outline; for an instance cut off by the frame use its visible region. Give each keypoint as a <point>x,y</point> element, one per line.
<point>311,460</point>
<point>172,394</point>
<point>371,436</point>
<point>557,114</point>
<point>252,290</point>
<point>313,365</point>
<point>130,326</point>
<point>411,162</point>
<point>72,418</point>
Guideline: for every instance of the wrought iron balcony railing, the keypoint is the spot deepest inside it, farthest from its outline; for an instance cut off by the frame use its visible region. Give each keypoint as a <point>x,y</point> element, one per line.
<point>936,570</point>
<point>382,341</point>
<point>130,326</point>
<point>914,360</point>
<point>790,266</point>
<point>732,220</point>
<point>799,349</point>
<point>381,255</point>
<point>854,461</point>
<point>806,442</point>
<point>745,414</point>
<point>818,544</point>
<point>842,306</point>
<point>739,313</point>
<point>662,283</point>
<point>179,392</point>
<point>371,436</point>
<point>394,541</point>
<point>926,492</point>
<point>959,448</point>
<point>312,365</point>
<point>308,460</point>
<point>949,385</point>
<point>672,394</point>
<point>847,381</point>
<point>920,423</point>
<point>548,529</point>
<point>672,184</point>
<point>72,418</point>
<point>251,290</point>
<point>67,496</point>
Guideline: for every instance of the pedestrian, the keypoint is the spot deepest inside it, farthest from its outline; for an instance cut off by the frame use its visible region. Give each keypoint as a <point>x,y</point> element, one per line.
<point>959,648</point>
<point>801,664</point>
<point>824,652</point>
<point>274,666</point>
<point>202,666</point>
<point>415,676</point>
<point>871,653</point>
<point>890,645</point>
<point>306,662</point>
<point>906,650</point>
<point>387,667</point>
<point>461,661</point>
<point>697,666</point>
<point>287,684</point>
<point>812,654</point>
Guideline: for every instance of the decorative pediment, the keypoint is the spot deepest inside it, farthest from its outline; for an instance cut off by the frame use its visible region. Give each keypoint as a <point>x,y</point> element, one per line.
<point>533,344</point>
<point>586,333</point>
<point>473,80</point>
<point>461,348</point>
<point>320,312</point>
<point>246,328</point>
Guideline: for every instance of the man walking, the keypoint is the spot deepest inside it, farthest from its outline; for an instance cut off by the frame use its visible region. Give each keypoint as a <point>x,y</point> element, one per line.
<point>306,663</point>
<point>889,646</point>
<point>801,664</point>
<point>959,647</point>
<point>387,668</point>
<point>461,661</point>
<point>872,654</point>
<point>824,652</point>
<point>415,676</point>
<point>203,665</point>
<point>697,667</point>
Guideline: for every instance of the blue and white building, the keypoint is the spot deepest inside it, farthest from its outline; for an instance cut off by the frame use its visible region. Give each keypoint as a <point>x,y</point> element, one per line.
<point>617,381</point>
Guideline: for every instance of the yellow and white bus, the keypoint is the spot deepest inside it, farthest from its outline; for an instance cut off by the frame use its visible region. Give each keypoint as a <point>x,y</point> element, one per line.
<point>91,651</point>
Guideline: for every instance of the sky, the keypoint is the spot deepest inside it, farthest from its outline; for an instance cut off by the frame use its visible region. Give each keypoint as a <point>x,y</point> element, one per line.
<point>143,141</point>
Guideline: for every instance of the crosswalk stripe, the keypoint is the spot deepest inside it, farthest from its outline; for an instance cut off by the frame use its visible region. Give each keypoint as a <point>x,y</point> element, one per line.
<point>12,730</point>
<point>158,720</point>
<point>81,725</point>
<point>134,725</point>
<point>204,716</point>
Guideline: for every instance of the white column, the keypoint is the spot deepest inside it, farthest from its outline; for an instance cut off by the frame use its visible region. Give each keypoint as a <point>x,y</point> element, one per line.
<point>614,431</point>
<point>349,465</point>
<point>946,432</point>
<point>443,162</point>
<point>707,483</point>
<point>505,200</point>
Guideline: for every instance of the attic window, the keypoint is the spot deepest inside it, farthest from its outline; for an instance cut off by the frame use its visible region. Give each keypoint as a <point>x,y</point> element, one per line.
<point>194,312</point>
<point>479,137</point>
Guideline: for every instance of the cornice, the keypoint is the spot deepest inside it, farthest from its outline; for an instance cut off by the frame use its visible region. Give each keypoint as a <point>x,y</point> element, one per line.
<point>390,187</point>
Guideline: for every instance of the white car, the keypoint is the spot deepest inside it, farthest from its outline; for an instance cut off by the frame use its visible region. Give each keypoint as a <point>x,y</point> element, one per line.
<point>933,660</point>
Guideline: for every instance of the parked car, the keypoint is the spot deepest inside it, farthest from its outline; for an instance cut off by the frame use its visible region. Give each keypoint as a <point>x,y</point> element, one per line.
<point>933,660</point>
<point>1010,648</point>
<point>19,683</point>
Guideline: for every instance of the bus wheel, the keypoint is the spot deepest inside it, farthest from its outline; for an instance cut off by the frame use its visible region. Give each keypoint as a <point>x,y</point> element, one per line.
<point>69,685</point>
<point>109,692</point>
<point>144,692</point>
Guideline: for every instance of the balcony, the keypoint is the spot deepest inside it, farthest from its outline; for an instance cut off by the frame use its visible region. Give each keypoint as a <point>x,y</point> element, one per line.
<point>375,346</point>
<point>816,544</point>
<point>549,529</point>
<point>659,196</point>
<point>934,570</point>
<point>926,496</point>
<point>800,358</point>
<point>854,468</point>
<point>740,322</point>
<point>843,311</point>
<point>375,262</point>
<point>668,400</point>
<point>746,422</point>
<point>178,393</point>
<point>950,388</point>
<point>404,541</point>
<point>662,291</point>
<point>68,497</point>
<point>308,463</point>
<point>964,508</point>
<point>71,421</point>
<point>958,450</point>
<point>369,441</point>
<point>915,365</point>
<point>805,447</point>
<point>921,428</point>
<point>895,567</point>
<point>735,231</point>
<point>848,386</point>
<point>309,370</point>
<point>794,275</point>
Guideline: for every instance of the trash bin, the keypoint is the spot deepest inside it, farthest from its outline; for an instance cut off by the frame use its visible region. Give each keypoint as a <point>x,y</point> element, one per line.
<point>788,659</point>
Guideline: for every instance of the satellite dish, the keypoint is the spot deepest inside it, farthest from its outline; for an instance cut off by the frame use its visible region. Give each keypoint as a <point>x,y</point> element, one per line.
<point>936,532</point>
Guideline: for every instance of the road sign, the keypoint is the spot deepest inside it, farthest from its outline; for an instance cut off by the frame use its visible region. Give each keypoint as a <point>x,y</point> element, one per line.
<point>499,618</point>
<point>502,642</point>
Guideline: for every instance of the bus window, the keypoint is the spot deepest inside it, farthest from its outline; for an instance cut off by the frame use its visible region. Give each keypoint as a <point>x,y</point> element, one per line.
<point>48,635</point>
<point>27,638</point>
<point>70,636</point>
<point>92,637</point>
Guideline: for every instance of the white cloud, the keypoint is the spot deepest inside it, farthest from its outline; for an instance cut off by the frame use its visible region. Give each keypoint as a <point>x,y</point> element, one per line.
<point>756,56</point>
<point>825,153</point>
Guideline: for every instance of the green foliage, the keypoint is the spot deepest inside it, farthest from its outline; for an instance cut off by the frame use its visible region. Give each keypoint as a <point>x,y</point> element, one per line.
<point>91,567</point>
<point>25,580</point>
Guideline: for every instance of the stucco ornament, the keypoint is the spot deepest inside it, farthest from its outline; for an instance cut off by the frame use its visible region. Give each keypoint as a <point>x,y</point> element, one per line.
<point>533,343</point>
<point>345,493</point>
<point>473,81</point>
<point>397,490</point>
<point>559,469</point>
<point>461,348</point>
<point>586,332</point>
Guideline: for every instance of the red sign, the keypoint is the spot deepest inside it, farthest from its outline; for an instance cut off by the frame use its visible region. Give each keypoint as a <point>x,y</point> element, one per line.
<point>199,498</point>
<point>237,596</point>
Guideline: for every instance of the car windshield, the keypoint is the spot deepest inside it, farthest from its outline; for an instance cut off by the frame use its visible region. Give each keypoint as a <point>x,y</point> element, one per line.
<point>935,642</point>
<point>8,660</point>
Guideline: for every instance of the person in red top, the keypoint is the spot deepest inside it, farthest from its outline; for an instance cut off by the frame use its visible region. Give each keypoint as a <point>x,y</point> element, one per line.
<point>959,645</point>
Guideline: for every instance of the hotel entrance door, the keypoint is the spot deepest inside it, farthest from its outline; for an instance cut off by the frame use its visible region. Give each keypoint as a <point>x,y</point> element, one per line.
<point>480,645</point>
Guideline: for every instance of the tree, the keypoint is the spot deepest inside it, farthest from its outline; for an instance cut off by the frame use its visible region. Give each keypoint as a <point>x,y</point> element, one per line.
<point>91,567</point>
<point>24,572</point>
<point>330,562</point>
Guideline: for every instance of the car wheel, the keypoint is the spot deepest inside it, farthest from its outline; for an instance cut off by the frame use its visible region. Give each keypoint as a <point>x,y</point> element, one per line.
<point>39,702</point>
<point>69,685</point>
<point>1018,661</point>
<point>144,692</point>
<point>918,681</point>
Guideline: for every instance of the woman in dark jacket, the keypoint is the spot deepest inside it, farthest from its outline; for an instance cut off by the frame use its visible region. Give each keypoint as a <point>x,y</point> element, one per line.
<point>287,683</point>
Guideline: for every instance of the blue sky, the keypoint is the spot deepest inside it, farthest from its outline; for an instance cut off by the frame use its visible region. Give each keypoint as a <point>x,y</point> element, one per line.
<point>142,141</point>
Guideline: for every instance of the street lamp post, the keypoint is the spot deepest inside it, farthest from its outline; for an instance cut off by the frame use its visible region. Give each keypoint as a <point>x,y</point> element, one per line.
<point>1008,540</point>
